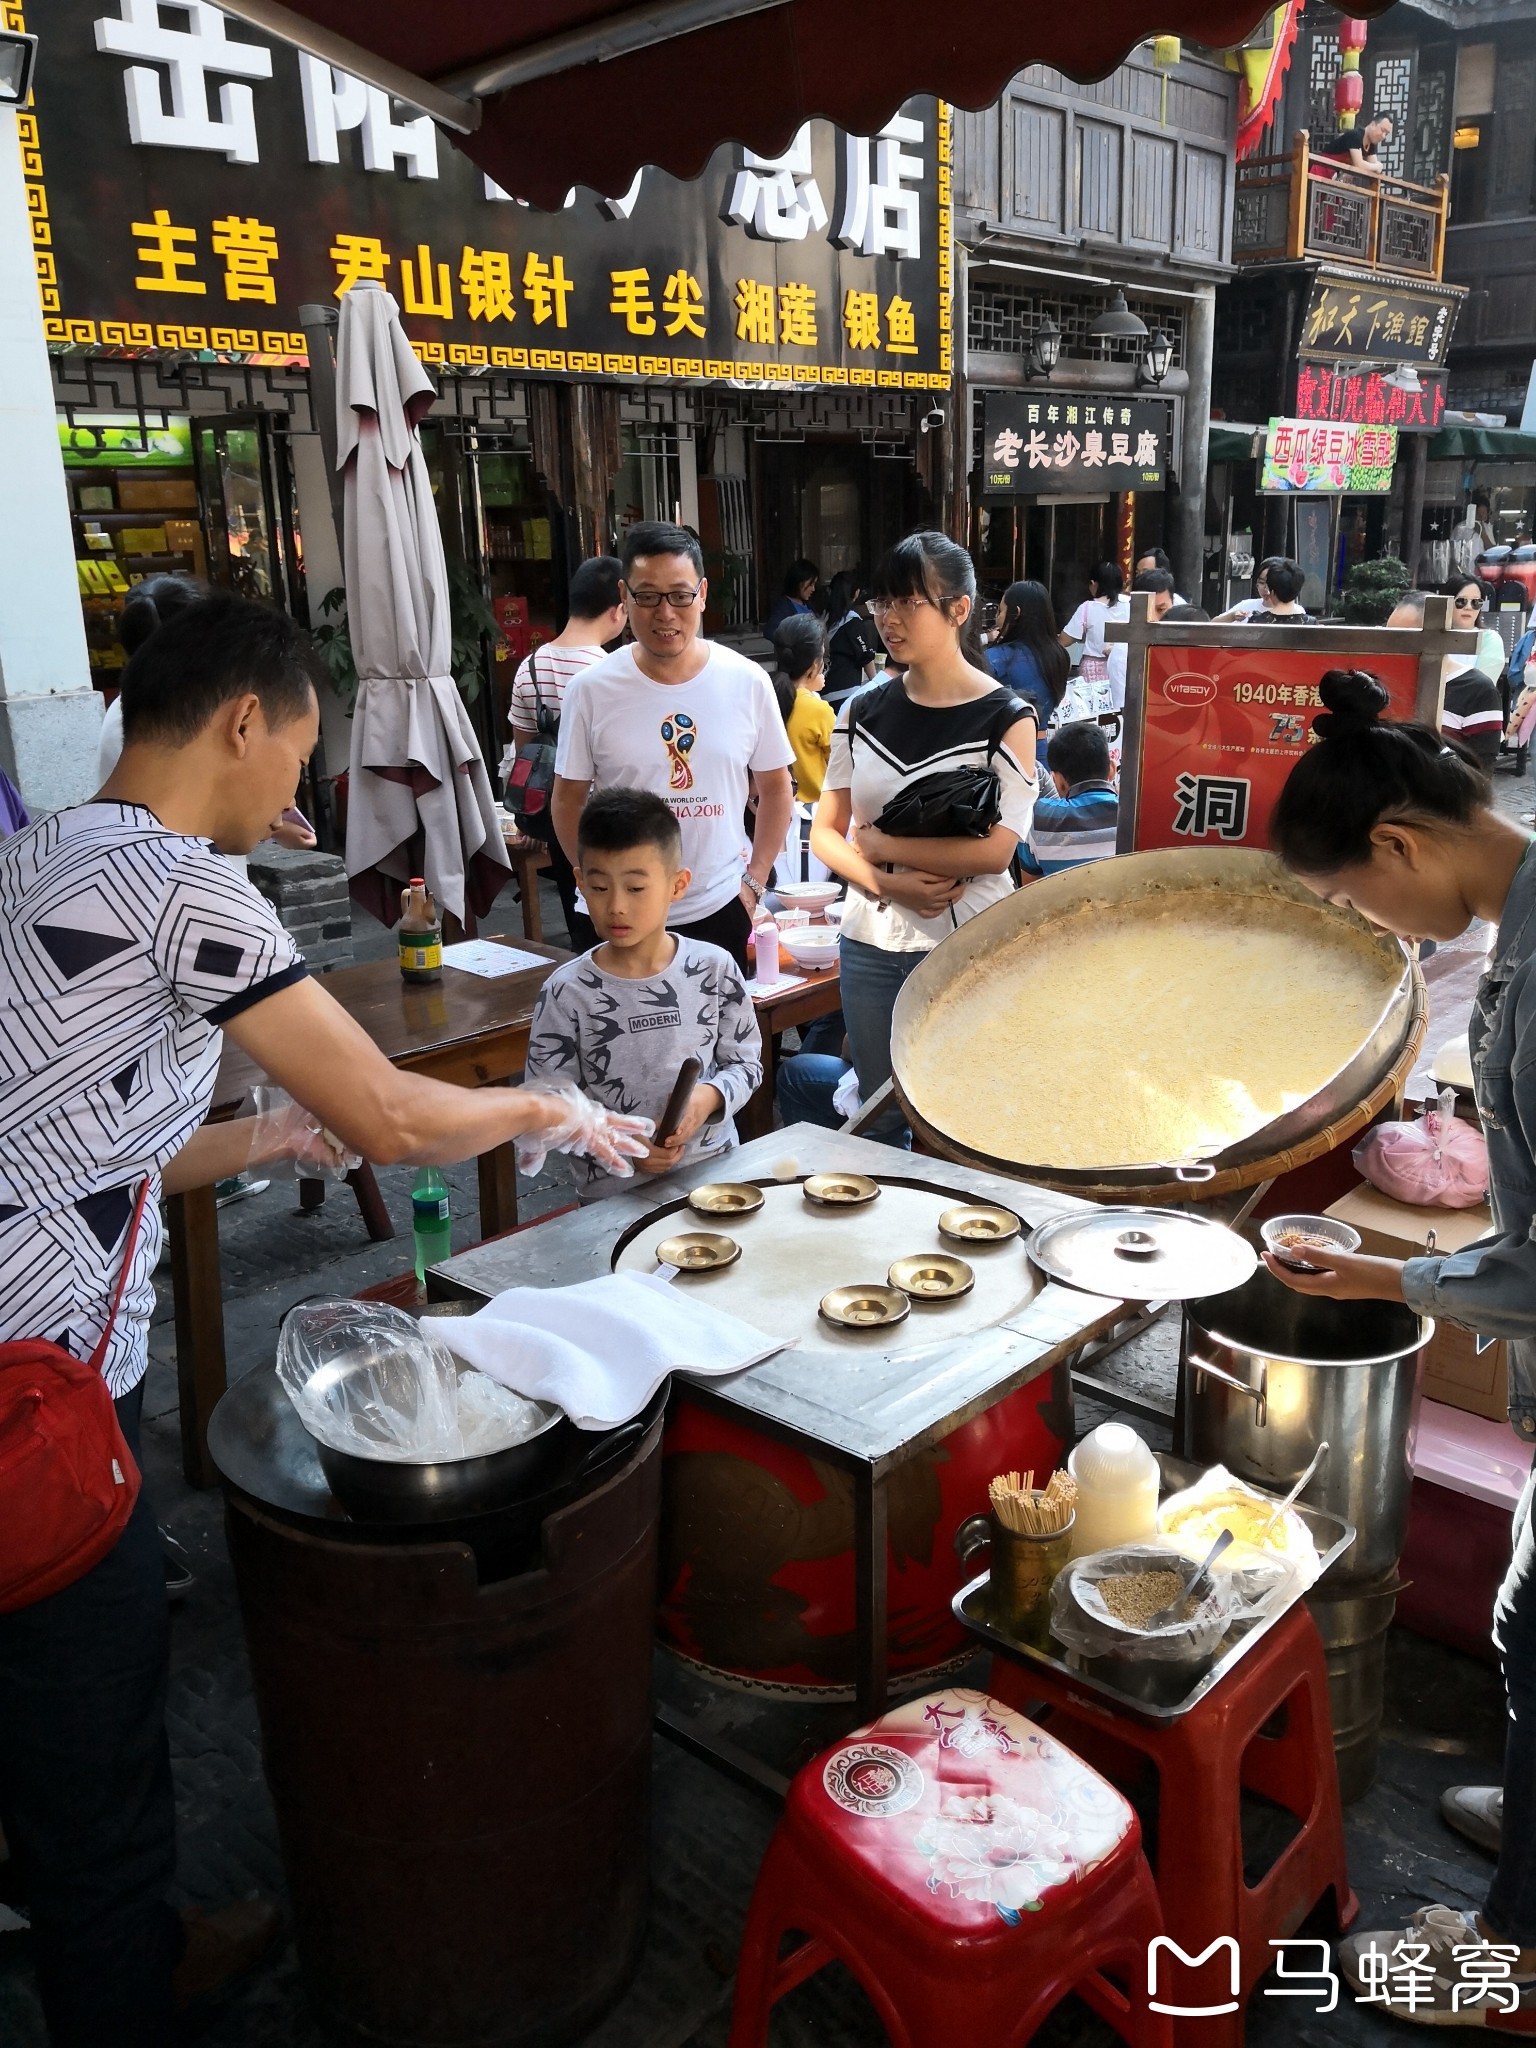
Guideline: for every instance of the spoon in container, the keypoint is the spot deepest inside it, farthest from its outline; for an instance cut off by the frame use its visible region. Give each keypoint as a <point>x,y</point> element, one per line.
<point>1197,1588</point>
<point>1296,1491</point>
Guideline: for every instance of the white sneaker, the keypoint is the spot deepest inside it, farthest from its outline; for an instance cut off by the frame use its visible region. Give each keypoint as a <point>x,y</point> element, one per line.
<point>1476,1811</point>
<point>1438,1971</point>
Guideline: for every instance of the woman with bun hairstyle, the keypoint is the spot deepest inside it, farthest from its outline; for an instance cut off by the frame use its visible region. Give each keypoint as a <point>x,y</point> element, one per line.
<point>1396,822</point>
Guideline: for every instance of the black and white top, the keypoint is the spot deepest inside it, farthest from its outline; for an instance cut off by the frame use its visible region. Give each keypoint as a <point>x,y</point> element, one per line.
<point>622,1041</point>
<point>123,948</point>
<point>896,743</point>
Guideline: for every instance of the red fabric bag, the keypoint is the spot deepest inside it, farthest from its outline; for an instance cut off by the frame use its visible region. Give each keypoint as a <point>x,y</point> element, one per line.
<point>68,1482</point>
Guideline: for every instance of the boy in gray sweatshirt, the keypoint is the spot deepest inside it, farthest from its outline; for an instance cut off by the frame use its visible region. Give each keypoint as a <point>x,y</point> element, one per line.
<point>621,1020</point>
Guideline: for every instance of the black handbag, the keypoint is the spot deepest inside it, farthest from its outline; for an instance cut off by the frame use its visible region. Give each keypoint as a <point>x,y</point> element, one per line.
<point>954,803</point>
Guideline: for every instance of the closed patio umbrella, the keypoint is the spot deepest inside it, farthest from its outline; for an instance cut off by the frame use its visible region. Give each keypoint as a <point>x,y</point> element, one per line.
<point>419,798</point>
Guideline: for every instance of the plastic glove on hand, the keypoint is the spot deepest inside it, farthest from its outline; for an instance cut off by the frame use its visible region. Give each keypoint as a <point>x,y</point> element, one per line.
<point>285,1130</point>
<point>581,1126</point>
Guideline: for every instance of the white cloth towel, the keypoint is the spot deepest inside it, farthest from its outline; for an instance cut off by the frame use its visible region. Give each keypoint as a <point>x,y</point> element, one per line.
<point>602,1348</point>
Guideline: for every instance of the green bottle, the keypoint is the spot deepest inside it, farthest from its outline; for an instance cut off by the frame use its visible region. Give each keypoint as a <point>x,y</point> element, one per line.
<point>430,1220</point>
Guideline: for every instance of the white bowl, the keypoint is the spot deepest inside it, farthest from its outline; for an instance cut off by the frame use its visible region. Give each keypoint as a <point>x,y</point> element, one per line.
<point>1323,1230</point>
<point>809,895</point>
<point>833,912</point>
<point>810,946</point>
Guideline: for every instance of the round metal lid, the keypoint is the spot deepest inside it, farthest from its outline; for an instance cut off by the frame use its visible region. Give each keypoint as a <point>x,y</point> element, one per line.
<point>1143,1254</point>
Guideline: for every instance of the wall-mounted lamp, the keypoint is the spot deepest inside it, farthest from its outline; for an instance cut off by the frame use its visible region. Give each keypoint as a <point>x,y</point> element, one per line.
<point>18,56</point>
<point>1156,357</point>
<point>1405,378</point>
<point>1043,351</point>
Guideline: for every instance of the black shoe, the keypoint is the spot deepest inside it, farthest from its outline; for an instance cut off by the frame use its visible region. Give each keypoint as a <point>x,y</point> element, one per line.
<point>179,1575</point>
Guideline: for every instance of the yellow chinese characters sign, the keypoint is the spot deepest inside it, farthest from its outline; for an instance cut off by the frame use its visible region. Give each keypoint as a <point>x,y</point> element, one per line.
<point>193,184</point>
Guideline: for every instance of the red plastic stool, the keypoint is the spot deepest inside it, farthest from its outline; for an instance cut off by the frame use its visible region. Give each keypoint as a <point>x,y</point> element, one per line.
<point>1266,1728</point>
<point>968,1870</point>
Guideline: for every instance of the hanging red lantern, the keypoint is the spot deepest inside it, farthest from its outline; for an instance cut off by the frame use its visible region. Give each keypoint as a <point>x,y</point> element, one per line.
<point>1351,34</point>
<point>1349,93</point>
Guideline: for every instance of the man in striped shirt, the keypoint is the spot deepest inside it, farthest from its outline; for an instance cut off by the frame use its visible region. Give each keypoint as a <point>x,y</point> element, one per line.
<point>1473,711</point>
<point>1078,823</point>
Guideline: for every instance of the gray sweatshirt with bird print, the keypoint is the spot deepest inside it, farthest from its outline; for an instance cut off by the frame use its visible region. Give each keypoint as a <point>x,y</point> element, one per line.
<point>622,1042</point>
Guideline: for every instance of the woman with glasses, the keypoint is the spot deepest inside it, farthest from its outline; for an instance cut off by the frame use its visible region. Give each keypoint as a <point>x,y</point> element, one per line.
<point>945,713</point>
<point>1471,600</point>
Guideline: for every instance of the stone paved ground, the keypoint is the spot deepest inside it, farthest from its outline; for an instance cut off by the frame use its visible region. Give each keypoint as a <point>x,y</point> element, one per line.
<point>1443,1723</point>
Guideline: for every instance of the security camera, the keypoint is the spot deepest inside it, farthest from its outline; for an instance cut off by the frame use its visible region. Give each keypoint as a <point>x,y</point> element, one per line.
<point>932,420</point>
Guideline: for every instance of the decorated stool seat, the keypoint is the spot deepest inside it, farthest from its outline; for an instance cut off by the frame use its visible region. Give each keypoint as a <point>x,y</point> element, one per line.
<point>969,1871</point>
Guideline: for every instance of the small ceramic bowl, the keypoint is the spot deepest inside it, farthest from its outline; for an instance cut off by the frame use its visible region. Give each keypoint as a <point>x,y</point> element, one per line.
<point>809,895</point>
<point>810,946</point>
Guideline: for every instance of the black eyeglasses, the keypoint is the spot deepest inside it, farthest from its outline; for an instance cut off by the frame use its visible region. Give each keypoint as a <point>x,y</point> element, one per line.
<point>679,600</point>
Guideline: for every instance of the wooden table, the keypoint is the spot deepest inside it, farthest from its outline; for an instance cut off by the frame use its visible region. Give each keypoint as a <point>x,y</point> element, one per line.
<point>818,996</point>
<point>464,1028</point>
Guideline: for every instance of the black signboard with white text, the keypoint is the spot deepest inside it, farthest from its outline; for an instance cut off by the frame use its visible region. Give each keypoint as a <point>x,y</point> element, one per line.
<point>1051,442</point>
<point>192,183</point>
<point>1348,314</point>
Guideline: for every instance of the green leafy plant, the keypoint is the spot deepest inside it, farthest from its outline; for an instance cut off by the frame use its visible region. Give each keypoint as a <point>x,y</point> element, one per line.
<point>471,622</point>
<point>1372,589</point>
<point>333,643</point>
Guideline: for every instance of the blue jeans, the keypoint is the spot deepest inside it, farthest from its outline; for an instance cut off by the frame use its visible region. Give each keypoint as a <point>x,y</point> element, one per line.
<point>85,1790</point>
<point>805,1087</point>
<point>871,980</point>
<point>1511,1907</point>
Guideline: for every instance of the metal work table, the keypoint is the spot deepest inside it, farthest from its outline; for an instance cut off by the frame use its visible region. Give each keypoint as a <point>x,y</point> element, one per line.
<point>886,1408</point>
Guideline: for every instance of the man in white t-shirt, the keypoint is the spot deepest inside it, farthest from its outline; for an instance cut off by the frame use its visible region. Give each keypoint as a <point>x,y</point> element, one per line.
<point>694,722</point>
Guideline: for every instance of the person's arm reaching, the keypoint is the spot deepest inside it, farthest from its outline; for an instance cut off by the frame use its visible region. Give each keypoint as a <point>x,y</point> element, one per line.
<point>302,1039</point>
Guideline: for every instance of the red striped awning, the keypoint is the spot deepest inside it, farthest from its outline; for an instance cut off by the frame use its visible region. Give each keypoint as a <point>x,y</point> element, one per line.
<point>553,93</point>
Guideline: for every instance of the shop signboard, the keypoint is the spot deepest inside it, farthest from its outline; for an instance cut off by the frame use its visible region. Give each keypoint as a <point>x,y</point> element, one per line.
<point>192,183</point>
<point>1308,456</point>
<point>1053,442</point>
<point>109,440</point>
<point>1217,716</point>
<point>1351,315</point>
<point>1365,398</point>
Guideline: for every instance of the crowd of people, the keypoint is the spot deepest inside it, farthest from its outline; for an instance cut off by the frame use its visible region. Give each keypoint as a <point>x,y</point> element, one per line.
<point>892,747</point>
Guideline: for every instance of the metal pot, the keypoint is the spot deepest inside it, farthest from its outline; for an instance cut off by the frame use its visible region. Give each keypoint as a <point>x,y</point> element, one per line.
<point>383,1489</point>
<point>1267,1375</point>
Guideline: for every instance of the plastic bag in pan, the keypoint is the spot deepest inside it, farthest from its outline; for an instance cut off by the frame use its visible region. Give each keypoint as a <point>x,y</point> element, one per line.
<point>370,1380</point>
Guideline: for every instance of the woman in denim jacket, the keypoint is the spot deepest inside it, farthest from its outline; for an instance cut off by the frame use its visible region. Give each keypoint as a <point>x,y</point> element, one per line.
<point>1394,822</point>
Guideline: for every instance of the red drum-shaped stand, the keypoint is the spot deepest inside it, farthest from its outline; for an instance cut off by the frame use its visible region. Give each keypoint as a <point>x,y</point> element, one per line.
<point>757,1542</point>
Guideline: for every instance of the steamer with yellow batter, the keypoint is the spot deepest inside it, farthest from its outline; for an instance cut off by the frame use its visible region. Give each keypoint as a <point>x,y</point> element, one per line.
<point>1167,1025</point>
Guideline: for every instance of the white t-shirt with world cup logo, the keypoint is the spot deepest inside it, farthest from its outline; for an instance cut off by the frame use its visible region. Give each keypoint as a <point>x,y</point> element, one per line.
<point>693,744</point>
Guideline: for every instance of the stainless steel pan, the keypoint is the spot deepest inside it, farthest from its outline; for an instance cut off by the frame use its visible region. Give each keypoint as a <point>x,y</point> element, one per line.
<point>1230,873</point>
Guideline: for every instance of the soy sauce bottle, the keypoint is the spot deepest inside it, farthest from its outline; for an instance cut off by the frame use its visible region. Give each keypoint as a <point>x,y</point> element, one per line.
<point>420,934</point>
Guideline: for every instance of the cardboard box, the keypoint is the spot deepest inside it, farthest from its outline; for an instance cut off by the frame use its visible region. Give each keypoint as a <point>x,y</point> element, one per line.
<point>1463,1370</point>
<point>155,494</point>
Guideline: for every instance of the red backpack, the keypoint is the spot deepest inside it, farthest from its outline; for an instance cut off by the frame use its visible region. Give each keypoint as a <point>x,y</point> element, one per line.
<point>67,1478</point>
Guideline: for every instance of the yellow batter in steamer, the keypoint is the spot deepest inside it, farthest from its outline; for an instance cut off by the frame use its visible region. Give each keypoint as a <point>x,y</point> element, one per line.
<point>1119,1035</point>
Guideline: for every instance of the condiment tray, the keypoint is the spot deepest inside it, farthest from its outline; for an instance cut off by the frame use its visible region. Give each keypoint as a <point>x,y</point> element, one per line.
<point>1330,1533</point>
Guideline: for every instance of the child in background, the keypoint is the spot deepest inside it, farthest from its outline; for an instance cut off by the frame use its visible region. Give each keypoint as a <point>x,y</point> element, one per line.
<point>621,1020</point>
<point>1078,822</point>
<point>800,648</point>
